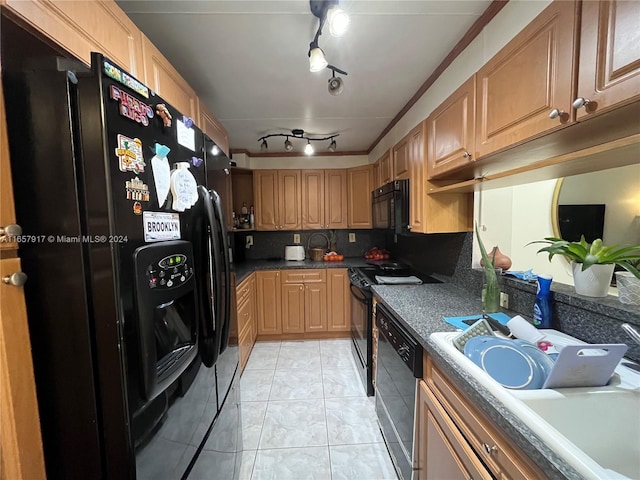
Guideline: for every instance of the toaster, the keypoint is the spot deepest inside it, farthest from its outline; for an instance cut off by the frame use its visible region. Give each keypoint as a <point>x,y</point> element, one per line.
<point>294,252</point>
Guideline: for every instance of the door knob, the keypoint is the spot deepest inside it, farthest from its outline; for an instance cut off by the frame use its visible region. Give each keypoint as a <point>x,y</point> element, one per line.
<point>467,155</point>
<point>580,102</point>
<point>555,113</point>
<point>17,279</point>
<point>12,230</point>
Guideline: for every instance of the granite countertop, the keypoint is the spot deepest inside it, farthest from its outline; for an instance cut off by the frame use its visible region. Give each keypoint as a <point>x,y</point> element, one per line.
<point>244,269</point>
<point>421,308</point>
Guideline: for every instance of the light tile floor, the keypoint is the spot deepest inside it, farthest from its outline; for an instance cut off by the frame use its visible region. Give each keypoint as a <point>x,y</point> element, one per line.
<point>305,415</point>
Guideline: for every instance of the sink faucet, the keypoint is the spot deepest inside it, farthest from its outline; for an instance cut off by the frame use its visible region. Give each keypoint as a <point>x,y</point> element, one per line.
<point>632,332</point>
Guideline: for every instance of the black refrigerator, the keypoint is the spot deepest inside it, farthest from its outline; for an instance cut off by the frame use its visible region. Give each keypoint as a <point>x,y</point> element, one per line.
<point>128,292</point>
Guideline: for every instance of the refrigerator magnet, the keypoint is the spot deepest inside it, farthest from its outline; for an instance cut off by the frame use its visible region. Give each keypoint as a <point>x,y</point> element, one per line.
<point>196,161</point>
<point>137,190</point>
<point>131,107</point>
<point>161,172</point>
<point>188,121</point>
<point>164,114</point>
<point>137,208</point>
<point>183,187</point>
<point>129,152</point>
<point>186,136</point>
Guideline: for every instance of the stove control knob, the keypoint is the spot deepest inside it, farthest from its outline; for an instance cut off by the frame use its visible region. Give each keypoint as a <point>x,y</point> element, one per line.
<point>403,350</point>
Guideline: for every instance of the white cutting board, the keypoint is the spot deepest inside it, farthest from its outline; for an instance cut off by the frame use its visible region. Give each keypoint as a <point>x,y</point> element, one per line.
<point>585,365</point>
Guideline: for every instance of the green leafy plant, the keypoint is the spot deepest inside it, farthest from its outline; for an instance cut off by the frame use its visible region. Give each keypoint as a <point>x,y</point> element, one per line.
<point>491,290</point>
<point>627,257</point>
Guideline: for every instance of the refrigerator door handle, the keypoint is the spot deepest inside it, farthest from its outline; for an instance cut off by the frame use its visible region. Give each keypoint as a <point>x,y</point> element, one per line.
<point>225,268</point>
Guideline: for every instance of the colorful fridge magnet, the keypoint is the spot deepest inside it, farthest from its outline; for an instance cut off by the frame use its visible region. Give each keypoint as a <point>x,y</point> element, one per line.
<point>161,172</point>
<point>137,190</point>
<point>186,136</point>
<point>131,107</point>
<point>125,79</point>
<point>188,121</point>
<point>129,152</point>
<point>183,187</point>
<point>164,114</point>
<point>196,162</point>
<point>137,208</point>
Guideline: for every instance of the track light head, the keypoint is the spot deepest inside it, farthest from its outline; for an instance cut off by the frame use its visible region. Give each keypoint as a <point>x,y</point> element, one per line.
<point>336,85</point>
<point>308,148</point>
<point>333,145</point>
<point>338,20</point>
<point>263,145</point>
<point>317,60</point>
<point>288,146</point>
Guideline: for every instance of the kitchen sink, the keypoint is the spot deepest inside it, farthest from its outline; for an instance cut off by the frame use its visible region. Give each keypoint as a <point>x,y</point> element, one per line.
<point>594,429</point>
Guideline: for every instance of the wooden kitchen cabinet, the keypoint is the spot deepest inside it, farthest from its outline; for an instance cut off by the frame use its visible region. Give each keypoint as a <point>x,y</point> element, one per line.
<point>268,302</point>
<point>246,314</point>
<point>455,440</point>
<point>85,27</point>
<point>315,307</point>
<point>400,161</point>
<point>324,199</point>
<point>211,127</point>
<point>338,300</point>
<point>532,75</point>
<point>451,131</point>
<point>359,196</point>
<point>304,300</point>
<point>385,173</point>
<point>609,60</point>
<point>278,199</point>
<point>415,141</point>
<point>165,80</point>
<point>293,308</point>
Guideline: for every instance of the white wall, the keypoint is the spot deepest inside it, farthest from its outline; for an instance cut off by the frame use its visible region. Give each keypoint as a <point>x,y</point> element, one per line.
<point>302,162</point>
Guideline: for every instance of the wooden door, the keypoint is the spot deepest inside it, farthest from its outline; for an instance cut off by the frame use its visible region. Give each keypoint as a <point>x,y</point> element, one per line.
<point>359,197</point>
<point>338,300</point>
<point>386,167</point>
<point>265,192</point>
<point>165,80</point>
<point>416,149</point>
<point>268,304</point>
<point>211,127</point>
<point>254,310</point>
<point>293,309</point>
<point>519,87</point>
<point>451,129</point>
<point>335,198</point>
<point>315,307</point>
<point>376,175</point>
<point>313,199</point>
<point>609,61</point>
<point>401,159</point>
<point>289,200</point>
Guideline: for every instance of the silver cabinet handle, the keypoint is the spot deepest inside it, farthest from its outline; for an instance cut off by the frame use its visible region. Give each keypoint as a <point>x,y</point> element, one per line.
<point>17,279</point>
<point>489,450</point>
<point>580,102</point>
<point>12,230</point>
<point>467,155</point>
<point>555,113</point>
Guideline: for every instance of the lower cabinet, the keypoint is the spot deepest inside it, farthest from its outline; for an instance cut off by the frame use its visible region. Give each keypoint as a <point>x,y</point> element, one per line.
<point>338,300</point>
<point>454,440</point>
<point>246,314</point>
<point>304,301</point>
<point>268,304</point>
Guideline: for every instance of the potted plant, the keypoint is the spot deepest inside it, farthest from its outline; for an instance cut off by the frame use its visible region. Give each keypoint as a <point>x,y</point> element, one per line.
<point>593,263</point>
<point>490,287</point>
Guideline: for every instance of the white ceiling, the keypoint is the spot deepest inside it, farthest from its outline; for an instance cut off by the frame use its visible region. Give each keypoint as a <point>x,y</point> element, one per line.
<point>247,60</point>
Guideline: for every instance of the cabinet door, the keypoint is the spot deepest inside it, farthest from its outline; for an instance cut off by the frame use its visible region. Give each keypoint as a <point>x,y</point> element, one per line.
<point>289,200</point>
<point>293,308</point>
<point>335,198</point>
<point>210,125</point>
<point>359,197</point>
<point>165,80</point>
<point>532,75</point>
<point>313,199</point>
<point>442,450</point>
<point>609,62</point>
<point>386,167</point>
<point>268,305</point>
<point>254,310</point>
<point>452,131</point>
<point>415,151</point>
<point>85,27</point>
<point>338,300</point>
<point>265,191</point>
<point>315,307</point>
<point>401,159</point>
<point>376,175</point>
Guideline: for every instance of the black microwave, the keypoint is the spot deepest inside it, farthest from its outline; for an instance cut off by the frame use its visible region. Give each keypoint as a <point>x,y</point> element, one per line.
<point>390,206</point>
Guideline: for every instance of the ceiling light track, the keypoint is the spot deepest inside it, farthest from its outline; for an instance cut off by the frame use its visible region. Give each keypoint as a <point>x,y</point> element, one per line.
<point>326,11</point>
<point>298,133</point>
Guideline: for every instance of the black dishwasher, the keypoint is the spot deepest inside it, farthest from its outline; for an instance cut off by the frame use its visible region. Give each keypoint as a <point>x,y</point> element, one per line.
<point>399,364</point>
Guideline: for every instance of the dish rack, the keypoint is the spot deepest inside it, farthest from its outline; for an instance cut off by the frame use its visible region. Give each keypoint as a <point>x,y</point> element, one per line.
<point>316,253</point>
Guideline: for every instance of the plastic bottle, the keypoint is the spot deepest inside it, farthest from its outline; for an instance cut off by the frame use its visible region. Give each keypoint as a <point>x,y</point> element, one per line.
<point>252,217</point>
<point>542,307</point>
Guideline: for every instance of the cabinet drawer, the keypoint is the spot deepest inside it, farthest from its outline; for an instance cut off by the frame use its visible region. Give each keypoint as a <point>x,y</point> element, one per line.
<point>243,291</point>
<point>316,275</point>
<point>494,450</point>
<point>244,314</point>
<point>245,345</point>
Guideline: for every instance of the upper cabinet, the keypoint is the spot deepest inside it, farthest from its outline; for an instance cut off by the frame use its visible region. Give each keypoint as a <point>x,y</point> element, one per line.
<point>359,181</point>
<point>278,199</point>
<point>415,147</point>
<point>528,79</point>
<point>85,27</point>
<point>609,68</point>
<point>451,129</point>
<point>385,172</point>
<point>211,127</point>
<point>165,80</point>
<point>401,160</point>
<point>324,199</point>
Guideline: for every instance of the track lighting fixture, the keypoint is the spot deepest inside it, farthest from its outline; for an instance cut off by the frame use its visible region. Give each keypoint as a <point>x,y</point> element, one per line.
<point>298,133</point>
<point>326,11</point>
<point>339,21</point>
<point>336,84</point>
<point>317,60</point>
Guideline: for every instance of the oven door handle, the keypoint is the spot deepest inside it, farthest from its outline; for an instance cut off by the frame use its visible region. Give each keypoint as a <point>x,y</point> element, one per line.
<point>358,295</point>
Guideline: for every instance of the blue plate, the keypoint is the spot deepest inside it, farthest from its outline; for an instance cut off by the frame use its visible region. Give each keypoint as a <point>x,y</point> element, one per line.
<point>513,364</point>
<point>545,361</point>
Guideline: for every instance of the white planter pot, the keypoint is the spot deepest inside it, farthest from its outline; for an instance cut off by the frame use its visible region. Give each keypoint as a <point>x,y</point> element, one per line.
<point>594,281</point>
<point>628,288</point>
